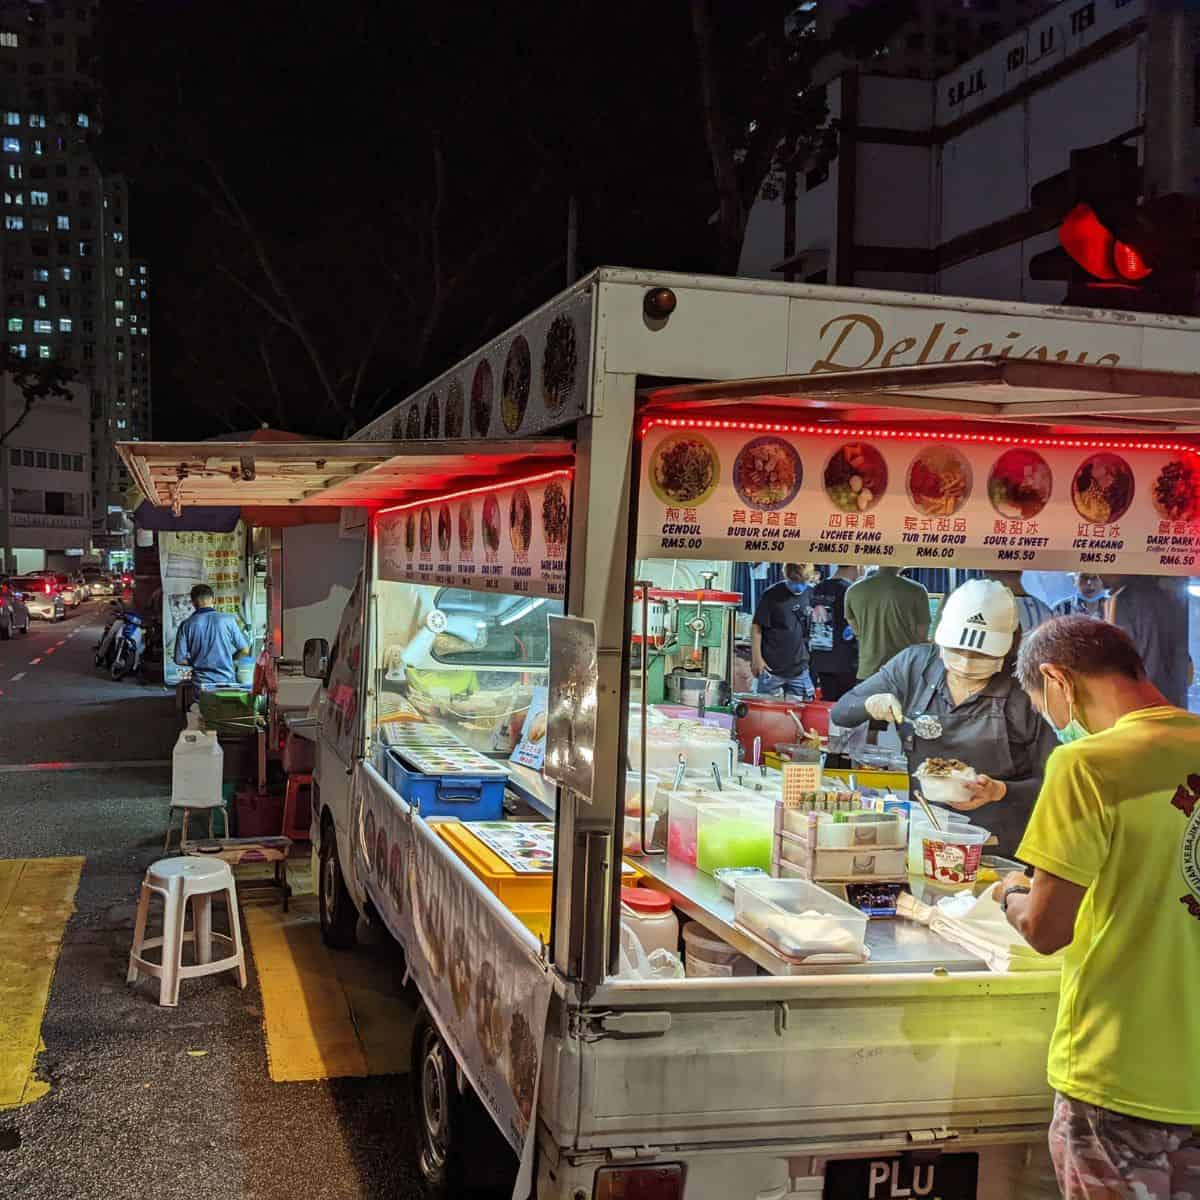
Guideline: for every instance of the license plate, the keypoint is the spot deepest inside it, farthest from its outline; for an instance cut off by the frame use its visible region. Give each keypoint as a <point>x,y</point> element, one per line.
<point>899,1177</point>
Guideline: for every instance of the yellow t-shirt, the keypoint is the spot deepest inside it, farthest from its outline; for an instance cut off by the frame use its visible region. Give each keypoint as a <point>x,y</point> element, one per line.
<point>1119,814</point>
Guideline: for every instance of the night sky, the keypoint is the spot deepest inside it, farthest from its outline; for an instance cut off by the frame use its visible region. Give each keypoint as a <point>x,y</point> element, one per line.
<point>285,160</point>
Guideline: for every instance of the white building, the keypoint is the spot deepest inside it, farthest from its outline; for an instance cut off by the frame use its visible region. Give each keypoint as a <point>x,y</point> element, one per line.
<point>929,191</point>
<point>46,468</point>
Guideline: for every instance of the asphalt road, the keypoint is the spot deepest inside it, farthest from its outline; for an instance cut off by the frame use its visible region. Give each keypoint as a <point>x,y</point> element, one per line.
<point>84,770</point>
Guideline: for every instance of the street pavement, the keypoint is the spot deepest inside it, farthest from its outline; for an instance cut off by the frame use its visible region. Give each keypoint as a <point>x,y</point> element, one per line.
<point>133,1109</point>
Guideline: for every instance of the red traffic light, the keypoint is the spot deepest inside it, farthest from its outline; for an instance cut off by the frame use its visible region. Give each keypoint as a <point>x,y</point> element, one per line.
<point>1097,250</point>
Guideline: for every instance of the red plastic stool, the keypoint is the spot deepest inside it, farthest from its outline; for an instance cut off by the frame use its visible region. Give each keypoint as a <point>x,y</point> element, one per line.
<point>292,828</point>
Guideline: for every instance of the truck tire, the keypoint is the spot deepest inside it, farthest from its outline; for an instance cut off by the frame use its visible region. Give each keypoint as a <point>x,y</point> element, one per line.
<point>339,918</point>
<point>460,1152</point>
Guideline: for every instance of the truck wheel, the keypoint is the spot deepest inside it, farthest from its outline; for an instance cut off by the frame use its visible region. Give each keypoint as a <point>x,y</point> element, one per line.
<point>460,1152</point>
<point>339,918</point>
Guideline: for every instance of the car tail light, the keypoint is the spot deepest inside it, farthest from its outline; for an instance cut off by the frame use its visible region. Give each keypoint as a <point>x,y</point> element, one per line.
<point>49,589</point>
<point>659,1182</point>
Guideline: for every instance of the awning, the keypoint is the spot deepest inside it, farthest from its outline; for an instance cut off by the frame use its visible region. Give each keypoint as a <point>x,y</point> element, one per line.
<point>1047,396</point>
<point>326,473</point>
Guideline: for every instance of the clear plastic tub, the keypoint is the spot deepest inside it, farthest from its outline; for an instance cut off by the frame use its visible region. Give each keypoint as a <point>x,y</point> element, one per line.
<point>706,956</point>
<point>734,835</point>
<point>632,840</point>
<point>706,744</point>
<point>663,748</point>
<point>800,919</point>
<point>633,792</point>
<point>952,856</point>
<point>682,814</point>
<point>945,789</point>
<point>860,863</point>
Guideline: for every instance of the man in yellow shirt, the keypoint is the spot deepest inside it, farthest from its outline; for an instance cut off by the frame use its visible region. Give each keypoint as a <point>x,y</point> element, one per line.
<point>1114,841</point>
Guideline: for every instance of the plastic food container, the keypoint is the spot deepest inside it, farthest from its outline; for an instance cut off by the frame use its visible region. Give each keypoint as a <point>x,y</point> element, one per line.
<point>800,919</point>
<point>631,842</point>
<point>633,791</point>
<point>952,856</point>
<point>682,809</point>
<point>651,917</point>
<point>706,956</point>
<point>918,827</point>
<point>945,789</point>
<point>704,745</point>
<point>858,863</point>
<point>663,748</point>
<point>729,877</point>
<point>734,835</point>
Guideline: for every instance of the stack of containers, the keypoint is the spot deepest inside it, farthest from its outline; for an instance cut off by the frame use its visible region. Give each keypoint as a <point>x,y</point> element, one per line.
<point>839,847</point>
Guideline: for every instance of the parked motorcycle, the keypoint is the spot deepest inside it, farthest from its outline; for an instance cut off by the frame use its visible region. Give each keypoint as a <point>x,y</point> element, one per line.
<point>123,643</point>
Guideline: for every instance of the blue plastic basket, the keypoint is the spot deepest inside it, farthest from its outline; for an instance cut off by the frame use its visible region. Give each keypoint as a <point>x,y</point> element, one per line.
<point>468,797</point>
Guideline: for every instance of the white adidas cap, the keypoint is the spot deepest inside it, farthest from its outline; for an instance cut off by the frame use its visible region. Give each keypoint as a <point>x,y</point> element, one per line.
<point>981,615</point>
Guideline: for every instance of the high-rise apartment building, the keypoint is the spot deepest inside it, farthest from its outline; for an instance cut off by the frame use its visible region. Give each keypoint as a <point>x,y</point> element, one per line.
<point>71,293</point>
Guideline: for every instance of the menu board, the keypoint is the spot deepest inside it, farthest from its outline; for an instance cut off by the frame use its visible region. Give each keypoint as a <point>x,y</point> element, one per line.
<point>511,538</point>
<point>884,496</point>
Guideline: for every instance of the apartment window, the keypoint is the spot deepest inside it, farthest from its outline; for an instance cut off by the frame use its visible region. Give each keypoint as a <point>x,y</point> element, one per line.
<point>119,322</point>
<point>87,275</point>
<point>37,68</point>
<point>41,275</point>
<point>14,197</point>
<point>64,299</point>
<point>77,462</point>
<point>14,458</point>
<point>85,198</point>
<point>40,198</point>
<point>12,118</point>
<point>65,273</point>
<point>40,225</point>
<point>62,196</point>
<point>85,249</point>
<point>142,293</point>
<point>53,461</point>
<point>120,272</point>
<point>82,120</point>
<point>15,171</point>
<point>39,146</point>
<point>118,236</point>
<point>41,300</point>
<point>14,223</point>
<point>61,222</point>
<point>27,455</point>
<point>16,325</point>
<point>64,247</point>
<point>12,145</point>
<point>43,351</point>
<point>37,171</point>
<point>64,324</point>
<point>9,39</point>
<point>141,270</point>
<point>89,351</point>
<point>119,305</point>
<point>60,170</point>
<point>37,121</point>
<point>16,299</point>
<point>43,327</point>
<point>87,325</point>
<point>41,457</point>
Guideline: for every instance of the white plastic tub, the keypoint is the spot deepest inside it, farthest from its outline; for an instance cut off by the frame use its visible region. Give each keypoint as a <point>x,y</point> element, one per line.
<point>799,919</point>
<point>706,956</point>
<point>952,856</point>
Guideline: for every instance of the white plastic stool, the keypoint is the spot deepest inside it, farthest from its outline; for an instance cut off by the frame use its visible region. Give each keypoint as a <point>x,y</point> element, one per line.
<point>178,880</point>
<point>193,806</point>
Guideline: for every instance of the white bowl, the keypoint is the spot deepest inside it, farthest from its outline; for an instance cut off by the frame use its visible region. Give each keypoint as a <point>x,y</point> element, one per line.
<point>946,789</point>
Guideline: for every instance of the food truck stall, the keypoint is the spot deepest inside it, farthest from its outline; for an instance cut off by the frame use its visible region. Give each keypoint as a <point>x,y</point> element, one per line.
<point>492,722</point>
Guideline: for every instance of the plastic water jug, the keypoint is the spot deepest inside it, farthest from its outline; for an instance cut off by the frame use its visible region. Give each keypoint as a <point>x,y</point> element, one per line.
<point>196,766</point>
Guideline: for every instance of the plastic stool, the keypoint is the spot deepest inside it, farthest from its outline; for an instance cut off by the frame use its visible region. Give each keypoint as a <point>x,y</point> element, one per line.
<point>178,880</point>
<point>298,833</point>
<point>193,806</point>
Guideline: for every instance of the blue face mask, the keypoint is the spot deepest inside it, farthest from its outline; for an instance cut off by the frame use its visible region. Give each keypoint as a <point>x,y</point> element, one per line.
<point>796,586</point>
<point>1073,730</point>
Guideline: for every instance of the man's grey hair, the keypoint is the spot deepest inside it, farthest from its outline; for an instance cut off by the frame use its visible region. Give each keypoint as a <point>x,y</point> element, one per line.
<point>1081,645</point>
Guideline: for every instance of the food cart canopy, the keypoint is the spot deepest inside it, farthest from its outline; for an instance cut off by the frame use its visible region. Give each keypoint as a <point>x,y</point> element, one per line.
<point>1049,397</point>
<point>325,473</point>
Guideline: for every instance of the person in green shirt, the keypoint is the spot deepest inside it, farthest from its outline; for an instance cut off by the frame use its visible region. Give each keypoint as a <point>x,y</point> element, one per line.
<point>1114,841</point>
<point>888,613</point>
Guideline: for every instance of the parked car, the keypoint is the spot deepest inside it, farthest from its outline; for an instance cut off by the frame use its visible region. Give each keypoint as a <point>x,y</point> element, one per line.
<point>72,593</point>
<point>14,612</point>
<point>99,582</point>
<point>42,597</point>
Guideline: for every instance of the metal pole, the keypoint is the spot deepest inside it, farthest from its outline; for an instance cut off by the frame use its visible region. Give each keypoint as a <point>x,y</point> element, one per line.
<point>1170,100</point>
<point>572,239</point>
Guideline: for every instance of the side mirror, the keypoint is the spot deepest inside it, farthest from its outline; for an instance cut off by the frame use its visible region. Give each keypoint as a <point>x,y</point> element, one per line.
<point>316,657</point>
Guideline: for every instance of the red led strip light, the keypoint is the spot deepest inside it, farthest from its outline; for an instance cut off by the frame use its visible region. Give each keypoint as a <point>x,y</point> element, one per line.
<point>850,431</point>
<point>562,473</point>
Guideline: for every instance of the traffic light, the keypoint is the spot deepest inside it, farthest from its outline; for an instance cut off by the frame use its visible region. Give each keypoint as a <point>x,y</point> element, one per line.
<point>1113,251</point>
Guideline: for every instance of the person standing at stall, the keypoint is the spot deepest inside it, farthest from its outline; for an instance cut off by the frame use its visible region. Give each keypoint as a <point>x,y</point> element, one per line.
<point>1154,612</point>
<point>1088,600</point>
<point>779,636</point>
<point>208,641</point>
<point>1032,610</point>
<point>887,613</point>
<point>1116,882</point>
<point>832,646</point>
<point>964,680</point>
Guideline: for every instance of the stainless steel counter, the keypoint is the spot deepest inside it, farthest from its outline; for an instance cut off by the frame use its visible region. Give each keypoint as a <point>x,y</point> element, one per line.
<point>896,945</point>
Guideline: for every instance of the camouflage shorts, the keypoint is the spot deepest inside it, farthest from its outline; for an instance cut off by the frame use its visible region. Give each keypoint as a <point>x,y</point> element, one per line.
<point>1104,1155</point>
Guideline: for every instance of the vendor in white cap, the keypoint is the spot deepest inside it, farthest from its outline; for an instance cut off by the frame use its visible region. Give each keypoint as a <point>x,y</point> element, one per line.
<point>965,681</point>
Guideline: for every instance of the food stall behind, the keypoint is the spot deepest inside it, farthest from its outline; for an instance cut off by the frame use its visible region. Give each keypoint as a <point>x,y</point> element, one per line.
<point>810,1064</point>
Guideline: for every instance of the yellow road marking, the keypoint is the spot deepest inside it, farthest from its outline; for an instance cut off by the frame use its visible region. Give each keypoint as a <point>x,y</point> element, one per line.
<point>37,896</point>
<point>327,1014</point>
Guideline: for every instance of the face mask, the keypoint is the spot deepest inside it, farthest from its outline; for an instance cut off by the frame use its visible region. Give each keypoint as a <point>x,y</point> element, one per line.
<point>1073,730</point>
<point>970,668</point>
<point>796,586</point>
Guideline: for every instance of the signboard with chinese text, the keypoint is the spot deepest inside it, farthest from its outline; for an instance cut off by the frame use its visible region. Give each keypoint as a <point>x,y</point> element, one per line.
<point>757,492</point>
<point>508,538</point>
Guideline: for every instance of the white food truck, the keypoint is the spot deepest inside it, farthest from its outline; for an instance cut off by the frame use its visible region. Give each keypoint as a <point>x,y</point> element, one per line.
<point>472,787</point>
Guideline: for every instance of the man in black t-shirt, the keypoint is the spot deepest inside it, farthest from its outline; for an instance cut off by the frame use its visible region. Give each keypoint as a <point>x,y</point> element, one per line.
<point>779,637</point>
<point>832,646</point>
